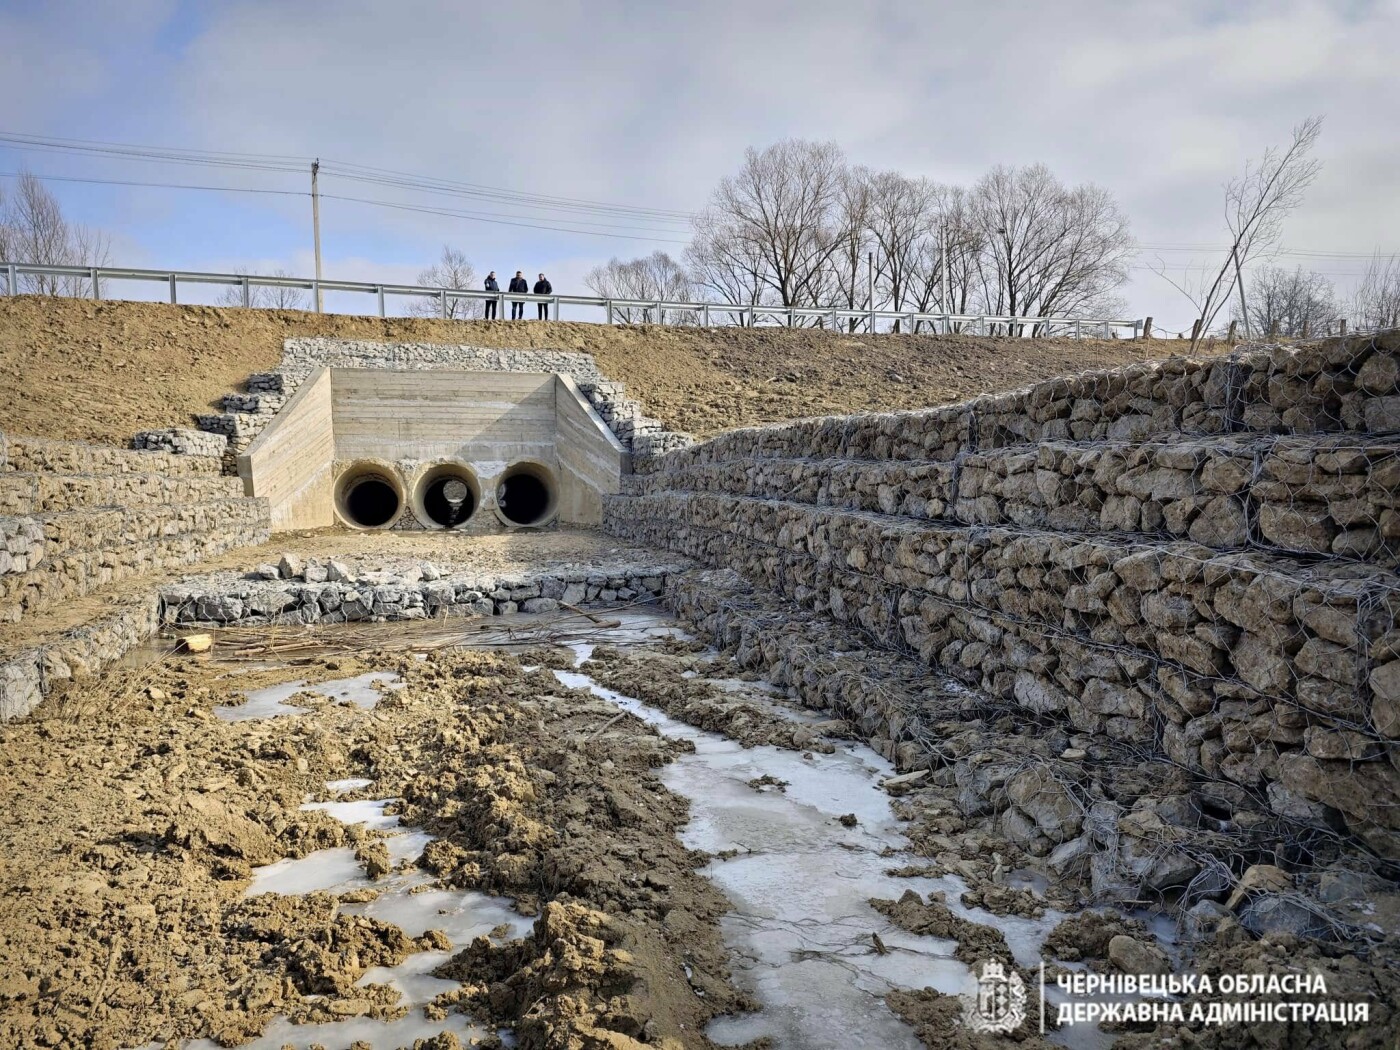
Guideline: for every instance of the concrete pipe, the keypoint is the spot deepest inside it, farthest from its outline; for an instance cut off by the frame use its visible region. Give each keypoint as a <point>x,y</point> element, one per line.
<point>446,496</point>
<point>527,495</point>
<point>369,495</point>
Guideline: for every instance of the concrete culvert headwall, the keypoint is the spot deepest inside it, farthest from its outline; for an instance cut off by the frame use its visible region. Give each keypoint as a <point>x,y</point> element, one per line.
<point>527,494</point>
<point>369,496</point>
<point>446,496</point>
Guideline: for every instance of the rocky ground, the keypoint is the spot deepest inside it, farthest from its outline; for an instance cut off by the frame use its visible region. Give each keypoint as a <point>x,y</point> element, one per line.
<point>100,371</point>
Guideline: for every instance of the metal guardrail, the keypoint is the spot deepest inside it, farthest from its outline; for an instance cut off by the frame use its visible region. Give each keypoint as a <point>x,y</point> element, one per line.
<point>743,315</point>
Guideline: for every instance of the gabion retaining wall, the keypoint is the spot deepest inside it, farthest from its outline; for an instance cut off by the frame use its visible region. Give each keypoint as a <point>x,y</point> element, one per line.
<point>1190,557</point>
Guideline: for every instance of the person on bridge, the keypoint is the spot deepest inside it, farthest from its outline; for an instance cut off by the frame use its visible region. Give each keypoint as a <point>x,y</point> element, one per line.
<point>518,284</point>
<point>543,287</point>
<point>492,285</point>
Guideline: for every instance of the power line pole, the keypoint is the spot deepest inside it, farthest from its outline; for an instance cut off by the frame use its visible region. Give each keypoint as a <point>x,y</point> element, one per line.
<point>316,227</point>
<point>943,270</point>
<point>870,286</point>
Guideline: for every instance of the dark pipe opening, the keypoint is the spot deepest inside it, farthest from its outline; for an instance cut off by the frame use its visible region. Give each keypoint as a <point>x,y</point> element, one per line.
<point>524,499</point>
<point>371,502</point>
<point>449,501</point>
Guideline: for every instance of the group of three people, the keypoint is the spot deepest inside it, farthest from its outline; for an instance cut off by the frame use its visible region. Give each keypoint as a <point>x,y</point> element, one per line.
<point>518,284</point>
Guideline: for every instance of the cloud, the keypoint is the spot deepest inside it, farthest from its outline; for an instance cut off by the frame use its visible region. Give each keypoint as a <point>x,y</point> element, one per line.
<point>652,104</point>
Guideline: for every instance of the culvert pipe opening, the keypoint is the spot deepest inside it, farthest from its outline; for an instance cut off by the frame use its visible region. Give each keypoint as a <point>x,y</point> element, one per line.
<point>527,494</point>
<point>369,498</point>
<point>446,496</point>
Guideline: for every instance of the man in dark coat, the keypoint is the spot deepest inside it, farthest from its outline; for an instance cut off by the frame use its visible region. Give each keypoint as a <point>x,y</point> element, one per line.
<point>518,284</point>
<point>543,287</point>
<point>491,286</point>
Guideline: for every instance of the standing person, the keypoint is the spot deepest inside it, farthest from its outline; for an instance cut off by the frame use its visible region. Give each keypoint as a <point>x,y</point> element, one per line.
<point>518,284</point>
<point>492,285</point>
<point>543,287</point>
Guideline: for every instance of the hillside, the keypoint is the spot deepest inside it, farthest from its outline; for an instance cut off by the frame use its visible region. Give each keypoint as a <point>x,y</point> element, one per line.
<point>100,371</point>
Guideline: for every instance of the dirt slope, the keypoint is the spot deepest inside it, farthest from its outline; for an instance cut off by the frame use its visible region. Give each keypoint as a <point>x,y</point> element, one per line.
<point>75,368</point>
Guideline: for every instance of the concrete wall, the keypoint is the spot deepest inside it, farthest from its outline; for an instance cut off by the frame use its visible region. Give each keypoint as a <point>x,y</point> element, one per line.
<point>407,421</point>
<point>592,461</point>
<point>1189,557</point>
<point>290,464</point>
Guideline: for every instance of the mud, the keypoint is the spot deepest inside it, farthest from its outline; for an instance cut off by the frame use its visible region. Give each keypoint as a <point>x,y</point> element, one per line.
<point>133,832</point>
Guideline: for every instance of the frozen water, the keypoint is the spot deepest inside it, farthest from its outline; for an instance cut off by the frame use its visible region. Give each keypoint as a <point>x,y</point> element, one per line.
<point>461,916</point>
<point>271,702</point>
<point>800,885</point>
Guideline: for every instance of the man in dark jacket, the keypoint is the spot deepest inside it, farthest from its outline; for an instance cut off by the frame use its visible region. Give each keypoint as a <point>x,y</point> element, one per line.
<point>518,284</point>
<point>543,287</point>
<point>491,286</point>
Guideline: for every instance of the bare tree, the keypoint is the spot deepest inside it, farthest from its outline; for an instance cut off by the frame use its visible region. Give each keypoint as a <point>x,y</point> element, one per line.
<point>846,285</point>
<point>1048,249</point>
<point>1289,304</point>
<point>651,277</point>
<point>1376,302</point>
<point>722,260</point>
<point>266,297</point>
<point>781,207</point>
<point>903,220</point>
<point>453,271</point>
<point>34,230</point>
<point>1256,203</point>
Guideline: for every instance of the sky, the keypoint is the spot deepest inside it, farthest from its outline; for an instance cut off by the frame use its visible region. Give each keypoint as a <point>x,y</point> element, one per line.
<point>648,105</point>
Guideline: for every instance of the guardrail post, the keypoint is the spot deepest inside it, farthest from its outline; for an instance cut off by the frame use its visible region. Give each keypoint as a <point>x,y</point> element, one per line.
<point>555,301</point>
<point>173,299</point>
<point>379,292</point>
<point>705,315</point>
<point>607,305</point>
<point>247,293</point>
<point>1077,334</point>
<point>442,302</point>
<point>11,280</point>
<point>96,286</point>
<point>316,296</point>
<point>1147,328</point>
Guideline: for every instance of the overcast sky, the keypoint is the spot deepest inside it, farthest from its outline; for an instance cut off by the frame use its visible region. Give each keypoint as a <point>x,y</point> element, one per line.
<point>650,104</point>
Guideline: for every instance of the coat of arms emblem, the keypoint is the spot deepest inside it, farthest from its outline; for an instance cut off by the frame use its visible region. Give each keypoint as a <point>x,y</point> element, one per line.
<point>999,1004</point>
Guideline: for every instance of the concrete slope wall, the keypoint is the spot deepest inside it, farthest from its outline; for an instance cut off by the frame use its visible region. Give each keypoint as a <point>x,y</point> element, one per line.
<point>291,464</point>
<point>1192,558</point>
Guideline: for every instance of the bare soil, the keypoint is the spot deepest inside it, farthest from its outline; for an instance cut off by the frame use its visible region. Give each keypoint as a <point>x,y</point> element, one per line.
<point>131,833</point>
<point>99,371</point>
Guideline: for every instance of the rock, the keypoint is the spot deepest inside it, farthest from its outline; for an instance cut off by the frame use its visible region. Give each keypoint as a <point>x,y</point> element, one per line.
<point>1385,699</point>
<point>1379,374</point>
<point>539,605</point>
<point>337,571</point>
<point>1271,914</point>
<point>1204,918</point>
<point>1297,526</point>
<point>1261,664</point>
<point>267,571</point>
<point>291,566</point>
<point>315,572</point>
<point>1131,955</point>
<point>1048,802</point>
<point>1259,878</point>
<point>429,571</point>
<point>197,643</point>
<point>574,593</point>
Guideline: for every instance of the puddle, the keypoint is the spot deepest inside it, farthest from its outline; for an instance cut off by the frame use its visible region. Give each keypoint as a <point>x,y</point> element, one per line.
<point>801,926</point>
<point>271,702</point>
<point>460,915</point>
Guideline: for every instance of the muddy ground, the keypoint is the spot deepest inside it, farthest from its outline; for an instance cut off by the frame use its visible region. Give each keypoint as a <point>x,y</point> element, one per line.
<point>136,817</point>
<point>100,371</point>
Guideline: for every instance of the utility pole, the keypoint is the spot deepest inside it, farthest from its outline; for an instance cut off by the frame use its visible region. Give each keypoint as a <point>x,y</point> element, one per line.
<point>1239,283</point>
<point>870,286</point>
<point>943,270</point>
<point>316,226</point>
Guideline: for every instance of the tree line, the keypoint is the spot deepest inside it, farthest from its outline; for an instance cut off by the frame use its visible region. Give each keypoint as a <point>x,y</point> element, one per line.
<point>798,225</point>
